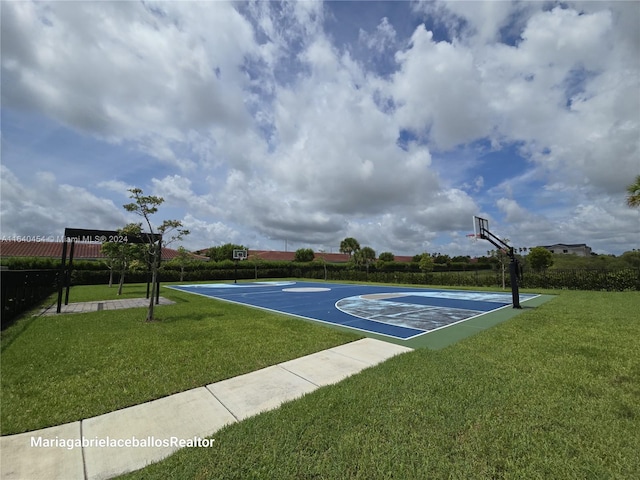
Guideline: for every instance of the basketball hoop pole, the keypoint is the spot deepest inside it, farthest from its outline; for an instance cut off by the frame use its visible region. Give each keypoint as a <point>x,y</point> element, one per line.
<point>237,256</point>
<point>485,234</point>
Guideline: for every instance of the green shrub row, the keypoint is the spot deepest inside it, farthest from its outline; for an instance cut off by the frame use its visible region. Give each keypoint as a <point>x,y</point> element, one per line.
<point>477,275</point>
<point>39,263</point>
<point>453,279</point>
<point>618,280</point>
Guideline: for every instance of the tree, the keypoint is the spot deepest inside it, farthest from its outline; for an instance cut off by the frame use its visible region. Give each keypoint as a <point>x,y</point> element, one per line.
<point>386,257</point>
<point>633,194</point>
<point>502,257</point>
<point>120,255</point>
<point>539,258</point>
<point>632,258</point>
<point>426,263</point>
<point>182,259</point>
<point>146,206</point>
<point>441,259</point>
<point>364,256</point>
<point>304,255</point>
<point>321,260</point>
<point>349,246</point>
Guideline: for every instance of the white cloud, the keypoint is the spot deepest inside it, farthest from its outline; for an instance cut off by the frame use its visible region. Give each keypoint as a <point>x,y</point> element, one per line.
<point>514,213</point>
<point>205,234</point>
<point>450,210</point>
<point>438,88</point>
<point>116,186</point>
<point>564,59</point>
<point>254,123</point>
<point>177,190</point>
<point>45,207</point>
<point>383,38</point>
<point>124,71</point>
<point>477,22</point>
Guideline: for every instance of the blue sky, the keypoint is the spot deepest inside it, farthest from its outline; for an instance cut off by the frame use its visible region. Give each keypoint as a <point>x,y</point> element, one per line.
<point>262,123</point>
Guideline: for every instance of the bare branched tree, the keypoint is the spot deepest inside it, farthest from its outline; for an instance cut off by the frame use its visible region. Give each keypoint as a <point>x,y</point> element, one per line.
<point>146,206</point>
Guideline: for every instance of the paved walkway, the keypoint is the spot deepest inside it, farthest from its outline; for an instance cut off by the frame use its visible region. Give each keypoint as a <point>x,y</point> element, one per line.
<point>183,417</point>
<point>83,307</point>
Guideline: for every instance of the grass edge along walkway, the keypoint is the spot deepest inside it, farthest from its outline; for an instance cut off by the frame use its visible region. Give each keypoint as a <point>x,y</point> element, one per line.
<point>188,415</point>
<point>70,367</point>
<point>553,393</point>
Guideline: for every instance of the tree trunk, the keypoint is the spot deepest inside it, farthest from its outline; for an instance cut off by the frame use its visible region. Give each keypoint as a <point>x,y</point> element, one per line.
<point>111,277</point>
<point>154,279</point>
<point>121,281</point>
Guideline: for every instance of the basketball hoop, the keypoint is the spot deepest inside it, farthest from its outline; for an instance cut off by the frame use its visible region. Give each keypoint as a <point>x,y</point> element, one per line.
<point>474,236</point>
<point>240,255</point>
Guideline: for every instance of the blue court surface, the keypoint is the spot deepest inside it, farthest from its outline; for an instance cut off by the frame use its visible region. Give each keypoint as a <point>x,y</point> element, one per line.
<point>399,312</point>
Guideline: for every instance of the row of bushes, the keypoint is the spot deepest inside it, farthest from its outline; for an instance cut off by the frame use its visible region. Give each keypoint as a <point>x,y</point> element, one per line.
<point>477,275</point>
<point>40,263</point>
<point>28,263</point>
<point>618,280</point>
<point>627,279</point>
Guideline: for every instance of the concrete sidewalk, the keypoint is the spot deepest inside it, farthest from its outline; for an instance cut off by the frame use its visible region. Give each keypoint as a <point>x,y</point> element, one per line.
<point>183,417</point>
<point>82,307</point>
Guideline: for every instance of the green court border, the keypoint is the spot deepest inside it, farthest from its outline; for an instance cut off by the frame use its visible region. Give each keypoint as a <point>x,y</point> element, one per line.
<point>446,336</point>
<point>449,335</point>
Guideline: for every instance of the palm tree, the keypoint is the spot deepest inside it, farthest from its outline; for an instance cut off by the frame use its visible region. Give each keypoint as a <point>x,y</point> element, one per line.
<point>633,191</point>
<point>365,256</point>
<point>349,246</point>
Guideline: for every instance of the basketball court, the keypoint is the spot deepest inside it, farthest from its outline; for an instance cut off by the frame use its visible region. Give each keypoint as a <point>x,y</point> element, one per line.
<point>409,316</point>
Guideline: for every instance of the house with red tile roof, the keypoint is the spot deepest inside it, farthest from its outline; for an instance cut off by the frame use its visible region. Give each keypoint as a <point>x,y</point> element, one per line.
<point>82,251</point>
<point>275,256</point>
<point>402,258</point>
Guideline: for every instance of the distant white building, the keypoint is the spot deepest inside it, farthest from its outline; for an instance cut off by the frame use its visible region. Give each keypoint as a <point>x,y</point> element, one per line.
<point>580,249</point>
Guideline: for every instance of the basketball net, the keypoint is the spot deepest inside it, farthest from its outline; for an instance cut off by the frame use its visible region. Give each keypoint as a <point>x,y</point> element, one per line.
<point>474,237</point>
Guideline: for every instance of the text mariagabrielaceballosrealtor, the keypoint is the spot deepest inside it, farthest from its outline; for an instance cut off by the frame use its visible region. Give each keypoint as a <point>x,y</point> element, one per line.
<point>132,442</point>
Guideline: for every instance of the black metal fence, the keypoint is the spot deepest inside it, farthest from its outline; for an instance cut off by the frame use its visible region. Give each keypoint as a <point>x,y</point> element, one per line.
<point>23,289</point>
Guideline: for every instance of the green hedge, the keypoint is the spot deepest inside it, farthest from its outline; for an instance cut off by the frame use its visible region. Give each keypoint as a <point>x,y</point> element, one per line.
<point>216,272</point>
<point>616,280</point>
<point>454,279</point>
<point>39,263</point>
<point>459,274</point>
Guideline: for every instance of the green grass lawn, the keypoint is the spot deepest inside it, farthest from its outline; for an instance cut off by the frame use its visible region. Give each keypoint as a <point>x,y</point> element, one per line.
<point>552,393</point>
<point>62,368</point>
